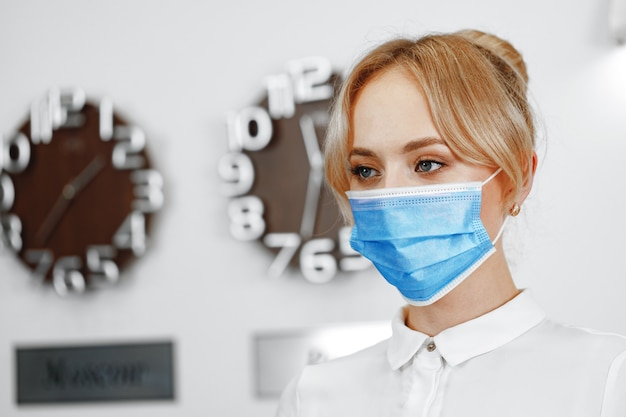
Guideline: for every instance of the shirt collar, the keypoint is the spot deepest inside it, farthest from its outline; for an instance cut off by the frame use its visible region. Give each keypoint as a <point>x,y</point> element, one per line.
<point>467,340</point>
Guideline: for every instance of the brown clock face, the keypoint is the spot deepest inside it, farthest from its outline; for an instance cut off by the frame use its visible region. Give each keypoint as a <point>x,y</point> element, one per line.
<point>77,192</point>
<point>274,174</point>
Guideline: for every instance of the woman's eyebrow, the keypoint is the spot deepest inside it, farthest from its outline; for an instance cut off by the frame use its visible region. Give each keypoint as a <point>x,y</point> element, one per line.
<point>361,152</point>
<point>408,147</point>
<point>422,142</point>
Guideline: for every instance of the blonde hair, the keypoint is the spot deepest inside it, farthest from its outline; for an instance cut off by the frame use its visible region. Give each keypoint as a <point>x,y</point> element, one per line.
<point>475,84</point>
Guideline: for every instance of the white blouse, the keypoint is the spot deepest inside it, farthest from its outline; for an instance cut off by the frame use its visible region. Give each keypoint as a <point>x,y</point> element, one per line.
<point>507,363</point>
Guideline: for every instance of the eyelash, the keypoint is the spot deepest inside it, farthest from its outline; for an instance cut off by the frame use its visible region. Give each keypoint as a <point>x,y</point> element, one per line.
<point>357,170</point>
<point>429,161</point>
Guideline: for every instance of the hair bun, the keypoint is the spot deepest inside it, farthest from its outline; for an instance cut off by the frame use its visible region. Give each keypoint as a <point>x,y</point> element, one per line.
<point>499,47</point>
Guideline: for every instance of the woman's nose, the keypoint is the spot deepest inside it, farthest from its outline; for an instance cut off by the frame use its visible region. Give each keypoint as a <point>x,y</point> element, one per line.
<point>397,177</point>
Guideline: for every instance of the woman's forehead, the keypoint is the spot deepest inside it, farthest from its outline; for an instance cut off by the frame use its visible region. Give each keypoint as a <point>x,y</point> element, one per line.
<point>391,109</point>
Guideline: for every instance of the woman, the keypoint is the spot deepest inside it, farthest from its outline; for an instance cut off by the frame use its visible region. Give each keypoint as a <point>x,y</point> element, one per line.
<point>430,150</point>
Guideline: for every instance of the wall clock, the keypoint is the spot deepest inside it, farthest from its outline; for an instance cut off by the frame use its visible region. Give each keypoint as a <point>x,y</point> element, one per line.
<point>77,192</point>
<point>273,173</point>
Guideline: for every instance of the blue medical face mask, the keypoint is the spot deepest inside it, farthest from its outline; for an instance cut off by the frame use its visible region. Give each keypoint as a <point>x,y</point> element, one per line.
<point>424,240</point>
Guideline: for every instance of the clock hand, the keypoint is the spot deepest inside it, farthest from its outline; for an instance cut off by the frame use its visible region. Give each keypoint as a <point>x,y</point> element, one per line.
<point>84,178</point>
<point>316,175</point>
<point>59,207</point>
<point>69,192</point>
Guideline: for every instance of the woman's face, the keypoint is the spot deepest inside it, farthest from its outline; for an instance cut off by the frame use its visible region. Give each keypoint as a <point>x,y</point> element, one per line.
<point>396,144</point>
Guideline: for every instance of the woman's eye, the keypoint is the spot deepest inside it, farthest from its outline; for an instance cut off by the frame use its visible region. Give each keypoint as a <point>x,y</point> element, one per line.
<point>428,166</point>
<point>364,172</point>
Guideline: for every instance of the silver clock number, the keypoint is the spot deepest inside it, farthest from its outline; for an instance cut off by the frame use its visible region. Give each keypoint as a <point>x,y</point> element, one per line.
<point>352,260</point>
<point>14,153</point>
<point>306,81</point>
<point>11,231</point>
<point>249,129</point>
<point>7,193</point>
<point>280,96</point>
<point>246,217</point>
<point>58,109</point>
<point>66,277</point>
<point>289,244</point>
<point>237,173</point>
<point>127,151</point>
<point>105,124</point>
<point>132,234</point>
<point>101,265</point>
<point>14,158</point>
<point>148,190</point>
<point>317,264</point>
<point>310,77</point>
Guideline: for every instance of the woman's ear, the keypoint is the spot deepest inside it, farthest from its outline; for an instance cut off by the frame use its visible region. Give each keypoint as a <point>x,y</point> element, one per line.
<point>527,185</point>
<point>515,198</point>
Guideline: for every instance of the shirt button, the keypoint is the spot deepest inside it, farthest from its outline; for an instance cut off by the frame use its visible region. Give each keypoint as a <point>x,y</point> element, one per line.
<point>431,346</point>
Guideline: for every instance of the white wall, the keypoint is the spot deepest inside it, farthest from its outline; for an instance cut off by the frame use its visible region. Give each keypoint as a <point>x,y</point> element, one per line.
<point>176,68</point>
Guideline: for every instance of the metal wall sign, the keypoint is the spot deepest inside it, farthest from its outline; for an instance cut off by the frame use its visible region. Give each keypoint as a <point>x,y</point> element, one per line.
<point>280,355</point>
<point>121,372</point>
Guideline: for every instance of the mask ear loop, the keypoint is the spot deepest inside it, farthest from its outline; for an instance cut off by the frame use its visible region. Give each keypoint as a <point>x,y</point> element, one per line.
<point>506,219</point>
<point>492,176</point>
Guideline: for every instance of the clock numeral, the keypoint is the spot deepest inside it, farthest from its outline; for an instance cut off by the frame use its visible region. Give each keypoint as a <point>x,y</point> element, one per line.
<point>60,108</point>
<point>14,153</point>
<point>311,78</point>
<point>280,96</point>
<point>42,259</point>
<point>105,123</point>
<point>101,266</point>
<point>127,152</point>
<point>148,190</point>
<point>317,265</point>
<point>11,232</point>
<point>353,260</point>
<point>66,276</point>
<point>308,79</point>
<point>289,242</point>
<point>246,218</point>
<point>237,173</point>
<point>132,234</point>
<point>7,193</point>
<point>249,129</point>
